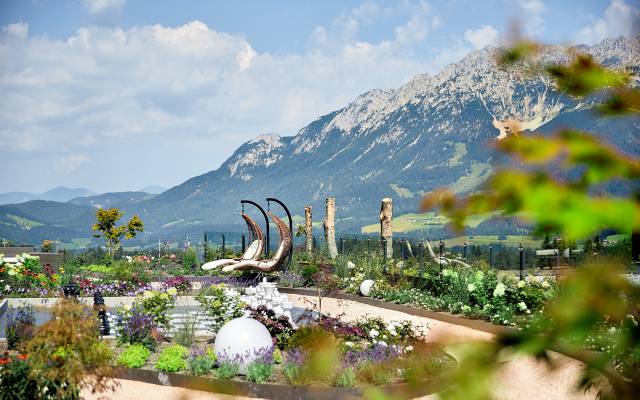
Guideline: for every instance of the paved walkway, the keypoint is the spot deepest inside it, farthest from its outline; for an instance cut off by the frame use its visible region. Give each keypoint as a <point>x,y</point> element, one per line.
<point>520,378</point>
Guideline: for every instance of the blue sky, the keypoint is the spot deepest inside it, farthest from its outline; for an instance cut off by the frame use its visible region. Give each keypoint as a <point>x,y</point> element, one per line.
<point>90,88</point>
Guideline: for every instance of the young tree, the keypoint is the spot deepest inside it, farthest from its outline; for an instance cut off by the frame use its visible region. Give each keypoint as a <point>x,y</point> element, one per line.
<point>112,234</point>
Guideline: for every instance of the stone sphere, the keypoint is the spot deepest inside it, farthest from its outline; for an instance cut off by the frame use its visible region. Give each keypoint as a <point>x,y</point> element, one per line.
<point>366,286</point>
<point>242,339</point>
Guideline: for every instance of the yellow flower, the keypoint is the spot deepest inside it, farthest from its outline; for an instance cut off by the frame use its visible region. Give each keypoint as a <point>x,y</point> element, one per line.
<point>164,296</point>
<point>172,291</point>
<point>147,294</point>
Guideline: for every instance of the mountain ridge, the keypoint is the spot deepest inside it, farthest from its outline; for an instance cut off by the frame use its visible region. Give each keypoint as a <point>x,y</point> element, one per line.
<point>436,130</point>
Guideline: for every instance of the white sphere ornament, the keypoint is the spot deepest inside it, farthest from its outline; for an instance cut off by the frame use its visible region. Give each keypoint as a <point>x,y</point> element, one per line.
<point>366,286</point>
<point>242,339</point>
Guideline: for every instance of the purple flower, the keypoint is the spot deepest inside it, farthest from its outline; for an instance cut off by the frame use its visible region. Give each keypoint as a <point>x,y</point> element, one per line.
<point>376,354</point>
<point>295,356</point>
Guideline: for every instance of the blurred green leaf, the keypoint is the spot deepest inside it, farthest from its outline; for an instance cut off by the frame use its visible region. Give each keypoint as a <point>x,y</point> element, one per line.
<point>584,76</point>
<point>518,52</point>
<point>622,101</point>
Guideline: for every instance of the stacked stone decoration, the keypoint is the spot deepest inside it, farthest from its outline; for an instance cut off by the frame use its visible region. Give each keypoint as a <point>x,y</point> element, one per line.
<point>266,294</point>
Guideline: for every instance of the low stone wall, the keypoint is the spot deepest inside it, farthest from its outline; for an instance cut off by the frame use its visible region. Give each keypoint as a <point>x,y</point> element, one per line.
<point>13,251</point>
<point>271,390</point>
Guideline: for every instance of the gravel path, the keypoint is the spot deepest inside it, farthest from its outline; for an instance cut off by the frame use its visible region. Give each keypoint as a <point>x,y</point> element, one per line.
<point>520,378</point>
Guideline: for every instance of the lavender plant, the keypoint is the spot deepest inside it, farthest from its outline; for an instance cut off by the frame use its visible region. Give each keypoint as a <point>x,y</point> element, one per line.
<point>201,360</point>
<point>261,368</point>
<point>135,325</point>
<point>228,367</point>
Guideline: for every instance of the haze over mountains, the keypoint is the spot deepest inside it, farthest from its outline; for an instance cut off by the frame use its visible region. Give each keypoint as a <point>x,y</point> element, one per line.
<point>59,193</point>
<point>433,131</point>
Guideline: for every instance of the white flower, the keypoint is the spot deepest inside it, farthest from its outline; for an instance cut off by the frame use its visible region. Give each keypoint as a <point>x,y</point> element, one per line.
<point>522,306</point>
<point>471,287</point>
<point>409,348</point>
<point>612,330</point>
<point>373,333</point>
<point>521,284</point>
<point>499,290</point>
<point>545,284</point>
<point>348,344</point>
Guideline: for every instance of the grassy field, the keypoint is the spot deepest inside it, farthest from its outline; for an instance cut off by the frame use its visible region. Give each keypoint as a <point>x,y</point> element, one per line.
<point>77,243</point>
<point>415,222</point>
<point>26,223</point>
<point>511,241</point>
<point>618,237</point>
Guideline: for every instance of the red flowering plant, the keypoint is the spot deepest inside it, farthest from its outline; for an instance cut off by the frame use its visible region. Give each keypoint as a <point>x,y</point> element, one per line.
<point>279,326</point>
<point>181,283</point>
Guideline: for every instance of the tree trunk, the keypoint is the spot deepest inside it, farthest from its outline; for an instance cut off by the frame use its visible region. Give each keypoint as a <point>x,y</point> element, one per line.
<point>330,227</point>
<point>308,228</point>
<point>386,215</point>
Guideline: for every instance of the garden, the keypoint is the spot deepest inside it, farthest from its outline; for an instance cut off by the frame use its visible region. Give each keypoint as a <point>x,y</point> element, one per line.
<point>267,332</point>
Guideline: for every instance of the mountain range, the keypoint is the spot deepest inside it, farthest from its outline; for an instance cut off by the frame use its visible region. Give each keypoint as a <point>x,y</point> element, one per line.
<point>436,130</point>
<point>59,193</point>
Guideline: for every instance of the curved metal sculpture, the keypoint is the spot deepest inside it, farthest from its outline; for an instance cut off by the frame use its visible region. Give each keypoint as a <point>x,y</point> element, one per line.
<point>286,210</point>
<point>253,252</point>
<point>278,258</point>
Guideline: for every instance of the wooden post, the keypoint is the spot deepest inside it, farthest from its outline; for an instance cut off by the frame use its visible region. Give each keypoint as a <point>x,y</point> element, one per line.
<point>308,228</point>
<point>386,216</point>
<point>330,227</point>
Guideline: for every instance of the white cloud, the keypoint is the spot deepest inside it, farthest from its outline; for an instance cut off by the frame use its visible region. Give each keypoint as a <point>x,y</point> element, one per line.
<point>18,30</point>
<point>96,7</point>
<point>69,164</point>
<point>481,37</point>
<point>532,18</point>
<point>146,92</point>
<point>619,19</point>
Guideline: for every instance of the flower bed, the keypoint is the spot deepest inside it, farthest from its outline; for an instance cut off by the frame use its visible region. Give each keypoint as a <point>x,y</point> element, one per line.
<point>473,292</point>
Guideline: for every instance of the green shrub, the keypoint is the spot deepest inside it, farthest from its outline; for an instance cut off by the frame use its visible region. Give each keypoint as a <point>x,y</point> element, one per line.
<point>227,370</point>
<point>277,356</point>
<point>259,372</point>
<point>201,361</point>
<point>291,372</point>
<point>346,378</point>
<point>172,359</point>
<point>67,351</point>
<point>185,335</point>
<point>99,269</point>
<point>221,303</point>
<point>18,381</point>
<point>157,304</point>
<point>308,271</point>
<point>190,258</point>
<point>126,271</point>
<point>135,325</point>
<point>134,356</point>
